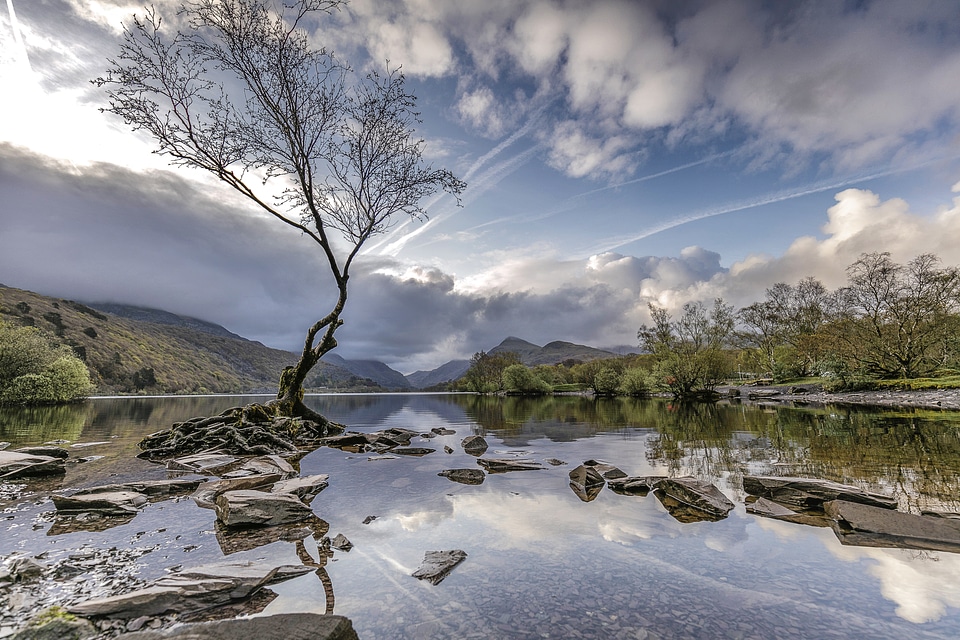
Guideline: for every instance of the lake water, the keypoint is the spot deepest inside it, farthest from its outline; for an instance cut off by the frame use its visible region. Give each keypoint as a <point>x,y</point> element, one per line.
<point>541,562</point>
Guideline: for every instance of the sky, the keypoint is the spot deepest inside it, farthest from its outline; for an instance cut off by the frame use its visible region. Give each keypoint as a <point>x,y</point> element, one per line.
<point>616,153</point>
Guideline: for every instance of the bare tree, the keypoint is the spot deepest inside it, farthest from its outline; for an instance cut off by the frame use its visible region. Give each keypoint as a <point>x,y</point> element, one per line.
<point>239,91</point>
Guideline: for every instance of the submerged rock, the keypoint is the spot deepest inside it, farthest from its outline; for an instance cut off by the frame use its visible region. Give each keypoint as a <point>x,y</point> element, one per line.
<point>283,626</point>
<point>464,476</point>
<point>502,465</point>
<point>235,540</point>
<point>869,526</point>
<point>474,445</point>
<point>249,507</point>
<point>23,465</point>
<point>698,494</point>
<point>810,492</point>
<point>437,565</point>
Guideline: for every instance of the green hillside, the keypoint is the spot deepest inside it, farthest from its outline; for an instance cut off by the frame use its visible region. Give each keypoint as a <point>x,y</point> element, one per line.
<point>127,356</point>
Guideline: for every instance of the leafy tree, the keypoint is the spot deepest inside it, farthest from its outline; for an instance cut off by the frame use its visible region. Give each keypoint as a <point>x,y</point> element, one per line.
<point>606,382</point>
<point>518,378</point>
<point>635,381</point>
<point>241,93</point>
<point>486,372</point>
<point>782,329</point>
<point>689,352</point>
<point>35,371</point>
<point>898,320</point>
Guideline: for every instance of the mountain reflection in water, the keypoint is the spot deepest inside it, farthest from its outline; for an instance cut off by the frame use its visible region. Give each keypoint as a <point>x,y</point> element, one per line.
<point>541,561</point>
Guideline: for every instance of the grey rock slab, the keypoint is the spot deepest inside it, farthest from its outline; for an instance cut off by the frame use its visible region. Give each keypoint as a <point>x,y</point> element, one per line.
<point>305,487</point>
<point>474,445</point>
<point>190,590</point>
<point>263,465</point>
<point>464,476</point>
<point>412,451</point>
<point>22,465</point>
<point>634,485</point>
<point>49,451</point>
<point>203,463</point>
<point>698,494</point>
<point>249,507</point>
<point>437,565</point>
<point>502,465</point>
<point>110,503</point>
<point>341,542</point>
<point>206,495</point>
<point>608,471</point>
<point>811,492</point>
<point>868,526</point>
<point>148,487</point>
<point>777,511</point>
<point>283,626</point>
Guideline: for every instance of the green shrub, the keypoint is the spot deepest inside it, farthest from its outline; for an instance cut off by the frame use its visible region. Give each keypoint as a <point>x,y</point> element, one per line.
<point>606,382</point>
<point>34,371</point>
<point>517,378</point>
<point>636,382</point>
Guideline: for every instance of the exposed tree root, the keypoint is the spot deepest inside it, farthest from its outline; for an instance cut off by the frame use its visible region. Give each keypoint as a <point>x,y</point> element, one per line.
<point>255,429</point>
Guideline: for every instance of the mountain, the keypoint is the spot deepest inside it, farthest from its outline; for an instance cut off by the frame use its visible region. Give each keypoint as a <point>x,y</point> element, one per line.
<point>552,353</point>
<point>371,369</point>
<point>444,373</point>
<point>157,316</point>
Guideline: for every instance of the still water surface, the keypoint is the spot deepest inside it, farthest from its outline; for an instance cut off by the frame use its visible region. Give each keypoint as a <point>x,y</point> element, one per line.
<point>542,563</point>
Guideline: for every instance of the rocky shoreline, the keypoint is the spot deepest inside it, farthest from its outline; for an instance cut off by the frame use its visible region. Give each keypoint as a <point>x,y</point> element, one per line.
<point>945,399</point>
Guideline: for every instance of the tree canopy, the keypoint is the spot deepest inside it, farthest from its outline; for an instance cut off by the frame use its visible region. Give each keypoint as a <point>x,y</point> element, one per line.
<point>239,91</point>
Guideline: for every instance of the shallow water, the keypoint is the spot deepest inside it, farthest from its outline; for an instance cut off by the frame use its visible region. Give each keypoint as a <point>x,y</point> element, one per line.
<point>542,563</point>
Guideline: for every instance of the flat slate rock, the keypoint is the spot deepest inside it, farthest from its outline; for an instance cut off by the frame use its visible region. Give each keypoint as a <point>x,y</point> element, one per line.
<point>304,487</point>
<point>412,451</point>
<point>50,451</point>
<point>608,471</point>
<point>203,463</point>
<point>206,495</point>
<point>699,494</point>
<point>23,465</point>
<point>502,465</point>
<point>151,488</point>
<point>190,590</point>
<point>282,626</point>
<point>586,482</point>
<point>108,503</point>
<point>437,565</point>
<point>250,507</point>
<point>811,492</point>
<point>262,465</point>
<point>777,511</point>
<point>868,526</point>
<point>635,485</point>
<point>464,476</point>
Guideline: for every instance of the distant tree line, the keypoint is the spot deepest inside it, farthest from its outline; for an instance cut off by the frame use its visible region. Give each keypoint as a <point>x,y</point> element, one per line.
<point>890,322</point>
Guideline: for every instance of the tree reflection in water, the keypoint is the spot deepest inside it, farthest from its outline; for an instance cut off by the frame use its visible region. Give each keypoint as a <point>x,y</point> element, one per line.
<point>912,454</point>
